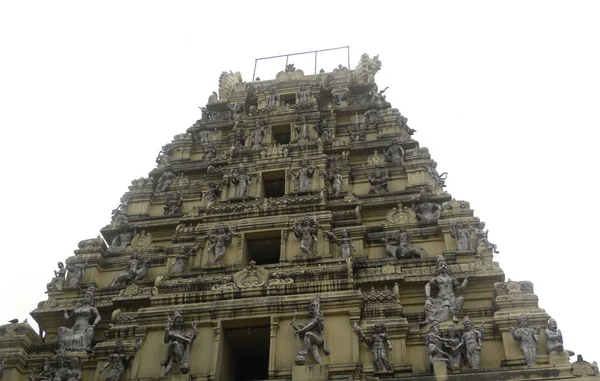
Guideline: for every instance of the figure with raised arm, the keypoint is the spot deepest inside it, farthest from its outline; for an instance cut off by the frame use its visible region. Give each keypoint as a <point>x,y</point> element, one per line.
<point>345,243</point>
<point>80,336</point>
<point>309,335</point>
<point>378,342</point>
<point>219,242</point>
<point>439,308</point>
<point>528,338</point>
<point>179,342</point>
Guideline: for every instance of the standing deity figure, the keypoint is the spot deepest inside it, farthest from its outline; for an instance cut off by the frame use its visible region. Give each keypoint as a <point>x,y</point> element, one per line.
<point>272,99</point>
<point>76,270</point>
<point>554,338</point>
<point>302,130</point>
<point>481,237</point>
<point>173,204</point>
<point>302,177</point>
<point>426,210</point>
<point>59,279</point>
<point>303,94</point>
<point>179,264</point>
<point>239,138</point>
<point>119,360</point>
<point>309,335</point>
<point>528,337</point>
<point>434,343</point>
<point>472,340</point>
<point>79,337</point>
<point>306,230</point>
<point>219,242</point>
<point>379,183</point>
<point>345,243</point>
<point>179,342</point>
<point>445,302</point>
<point>405,249</point>
<point>395,153</point>
<point>135,272</point>
<point>378,341</point>
<point>121,241</point>
<point>375,159</point>
<point>241,181</point>
<point>461,232</point>
<point>257,134</point>
<point>336,181</point>
<point>452,346</point>
<point>324,131</point>
<point>212,195</point>
<point>165,180</point>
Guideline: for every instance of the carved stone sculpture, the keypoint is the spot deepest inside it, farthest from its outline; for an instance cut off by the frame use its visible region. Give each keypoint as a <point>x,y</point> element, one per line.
<point>378,341</point>
<point>461,232</point>
<point>76,270</point>
<point>302,130</point>
<point>367,68</point>
<point>345,243</point>
<point>303,94</point>
<point>219,242</point>
<point>405,249</point>
<point>528,338</point>
<point>339,95</point>
<point>237,110</point>
<point>375,159</point>
<point>309,335</point>
<point>80,336</point>
<point>241,181</point>
<point>375,96</point>
<point>121,241</point>
<point>452,346</point>
<point>438,181</point>
<point>141,241</point>
<point>336,180</point>
<point>395,153</point>
<point>484,246</point>
<point>426,210</point>
<point>324,132</point>
<point>434,343</point>
<point>179,264</point>
<point>554,338</point>
<point>239,138</point>
<point>379,183</point>
<point>306,230</point>
<point>179,341</point>
<point>173,204</point>
<point>257,134</point>
<point>303,176</point>
<point>165,180</point>
<point>119,360</point>
<point>472,341</point>
<point>59,367</point>
<point>445,302</point>
<point>211,196</point>
<point>272,99</point>
<point>58,281</point>
<point>135,272</point>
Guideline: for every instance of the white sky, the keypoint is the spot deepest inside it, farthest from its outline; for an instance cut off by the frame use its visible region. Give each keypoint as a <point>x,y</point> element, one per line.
<point>505,94</point>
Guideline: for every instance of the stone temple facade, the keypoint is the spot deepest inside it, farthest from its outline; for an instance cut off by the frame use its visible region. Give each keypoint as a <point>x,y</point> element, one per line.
<point>296,232</point>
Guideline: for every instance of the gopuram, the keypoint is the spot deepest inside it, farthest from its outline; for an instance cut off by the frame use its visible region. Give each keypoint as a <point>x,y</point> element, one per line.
<point>295,232</point>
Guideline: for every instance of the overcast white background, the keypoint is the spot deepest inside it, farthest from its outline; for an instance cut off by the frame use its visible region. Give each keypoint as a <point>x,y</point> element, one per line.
<point>505,94</point>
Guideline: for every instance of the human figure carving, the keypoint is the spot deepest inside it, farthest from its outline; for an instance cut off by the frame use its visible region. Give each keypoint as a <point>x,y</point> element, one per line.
<point>395,153</point>
<point>554,338</point>
<point>309,335</point>
<point>303,94</point>
<point>336,181</point>
<point>272,98</point>
<point>80,336</point>
<point>445,302</point>
<point>345,243</point>
<point>239,138</point>
<point>375,159</point>
<point>303,176</point>
<point>241,181</point>
<point>179,342</point>
<point>378,341</point>
<point>173,204</point>
<point>426,210</point>
<point>302,130</point>
<point>434,343</point>
<point>121,241</point>
<point>165,180</point>
<point>219,242</point>
<point>133,273</point>
<point>179,264</point>
<point>379,183</point>
<point>461,232</point>
<point>452,346</point>
<point>212,195</point>
<point>76,270</point>
<point>481,237</point>
<point>306,230</point>
<point>472,340</point>
<point>528,338</point>
<point>59,279</point>
<point>405,249</point>
<point>119,360</point>
<point>257,134</point>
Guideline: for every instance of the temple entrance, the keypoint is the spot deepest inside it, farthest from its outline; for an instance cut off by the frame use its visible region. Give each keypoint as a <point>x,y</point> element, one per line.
<point>246,354</point>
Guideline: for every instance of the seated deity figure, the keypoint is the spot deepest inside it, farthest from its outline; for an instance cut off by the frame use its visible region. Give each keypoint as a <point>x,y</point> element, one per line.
<point>59,279</point>
<point>376,159</point>
<point>528,337</point>
<point>80,336</point>
<point>395,153</point>
<point>121,241</point>
<point>445,302</point>
<point>76,270</point>
<point>309,335</point>
<point>379,183</point>
<point>165,180</point>
<point>133,273</point>
<point>426,210</point>
<point>554,339</point>
<point>179,341</point>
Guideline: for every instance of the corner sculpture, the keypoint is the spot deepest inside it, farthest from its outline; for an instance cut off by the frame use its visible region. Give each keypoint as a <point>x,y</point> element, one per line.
<point>121,241</point>
<point>119,361</point>
<point>219,242</point>
<point>472,341</point>
<point>426,210</point>
<point>378,341</point>
<point>405,249</point>
<point>528,338</point>
<point>306,229</point>
<point>379,183</point>
<point>345,243</point>
<point>554,338</point>
<point>303,176</point>
<point>76,270</point>
<point>438,308</point>
<point>133,273</point>
<point>309,335</point>
<point>58,281</point>
<point>336,181</point>
<point>461,232</point>
<point>179,342</point>
<point>241,181</point>
<point>79,338</point>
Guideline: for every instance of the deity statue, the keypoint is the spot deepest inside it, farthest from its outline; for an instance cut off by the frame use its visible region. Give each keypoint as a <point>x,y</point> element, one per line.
<point>405,249</point>
<point>59,368</point>
<point>375,159</point>
<point>119,216</point>
<point>452,346</point>
<point>336,180</point>
<point>554,339</point>
<point>257,134</point>
<point>303,94</point>
<point>426,210</point>
<point>528,337</point>
<point>241,181</point>
<point>356,133</point>
<point>179,264</point>
<point>472,340</point>
<point>481,237</point>
<point>162,159</point>
<point>79,337</point>
<point>212,195</point>
<point>378,341</point>
<point>121,241</point>
<point>376,96</point>
<point>345,243</point>
<point>438,308</point>
<point>272,99</point>
<point>219,242</point>
<point>119,360</point>
<point>173,204</point>
<point>179,341</point>
<point>135,272</point>
<point>239,138</point>
<point>302,177</point>
<point>306,230</point>
<point>434,343</point>
<point>395,153</point>
<point>370,117</point>
<point>59,279</point>
<point>324,131</point>
<point>76,270</point>
<point>378,183</point>
<point>165,180</point>
<point>440,180</point>
<point>461,232</point>
<point>302,130</point>
<point>237,110</point>
<point>309,335</point>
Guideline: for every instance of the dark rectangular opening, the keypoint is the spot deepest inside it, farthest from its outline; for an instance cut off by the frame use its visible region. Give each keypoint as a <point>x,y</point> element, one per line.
<point>281,134</point>
<point>288,99</point>
<point>246,354</point>
<point>274,184</point>
<point>264,248</point>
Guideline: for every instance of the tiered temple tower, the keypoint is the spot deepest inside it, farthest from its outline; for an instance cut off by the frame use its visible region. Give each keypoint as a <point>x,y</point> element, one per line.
<point>296,232</point>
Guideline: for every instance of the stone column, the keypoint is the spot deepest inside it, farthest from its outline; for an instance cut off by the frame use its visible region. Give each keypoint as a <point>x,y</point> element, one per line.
<point>273,345</point>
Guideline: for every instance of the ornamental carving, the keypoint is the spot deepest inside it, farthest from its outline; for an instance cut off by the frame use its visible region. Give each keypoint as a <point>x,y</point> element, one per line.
<point>584,368</point>
<point>141,241</point>
<point>401,215</point>
<point>251,277</point>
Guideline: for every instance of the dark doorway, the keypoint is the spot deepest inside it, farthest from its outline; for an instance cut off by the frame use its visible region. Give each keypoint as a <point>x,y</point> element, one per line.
<point>264,247</point>
<point>248,354</point>
<point>274,183</point>
<point>282,134</point>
